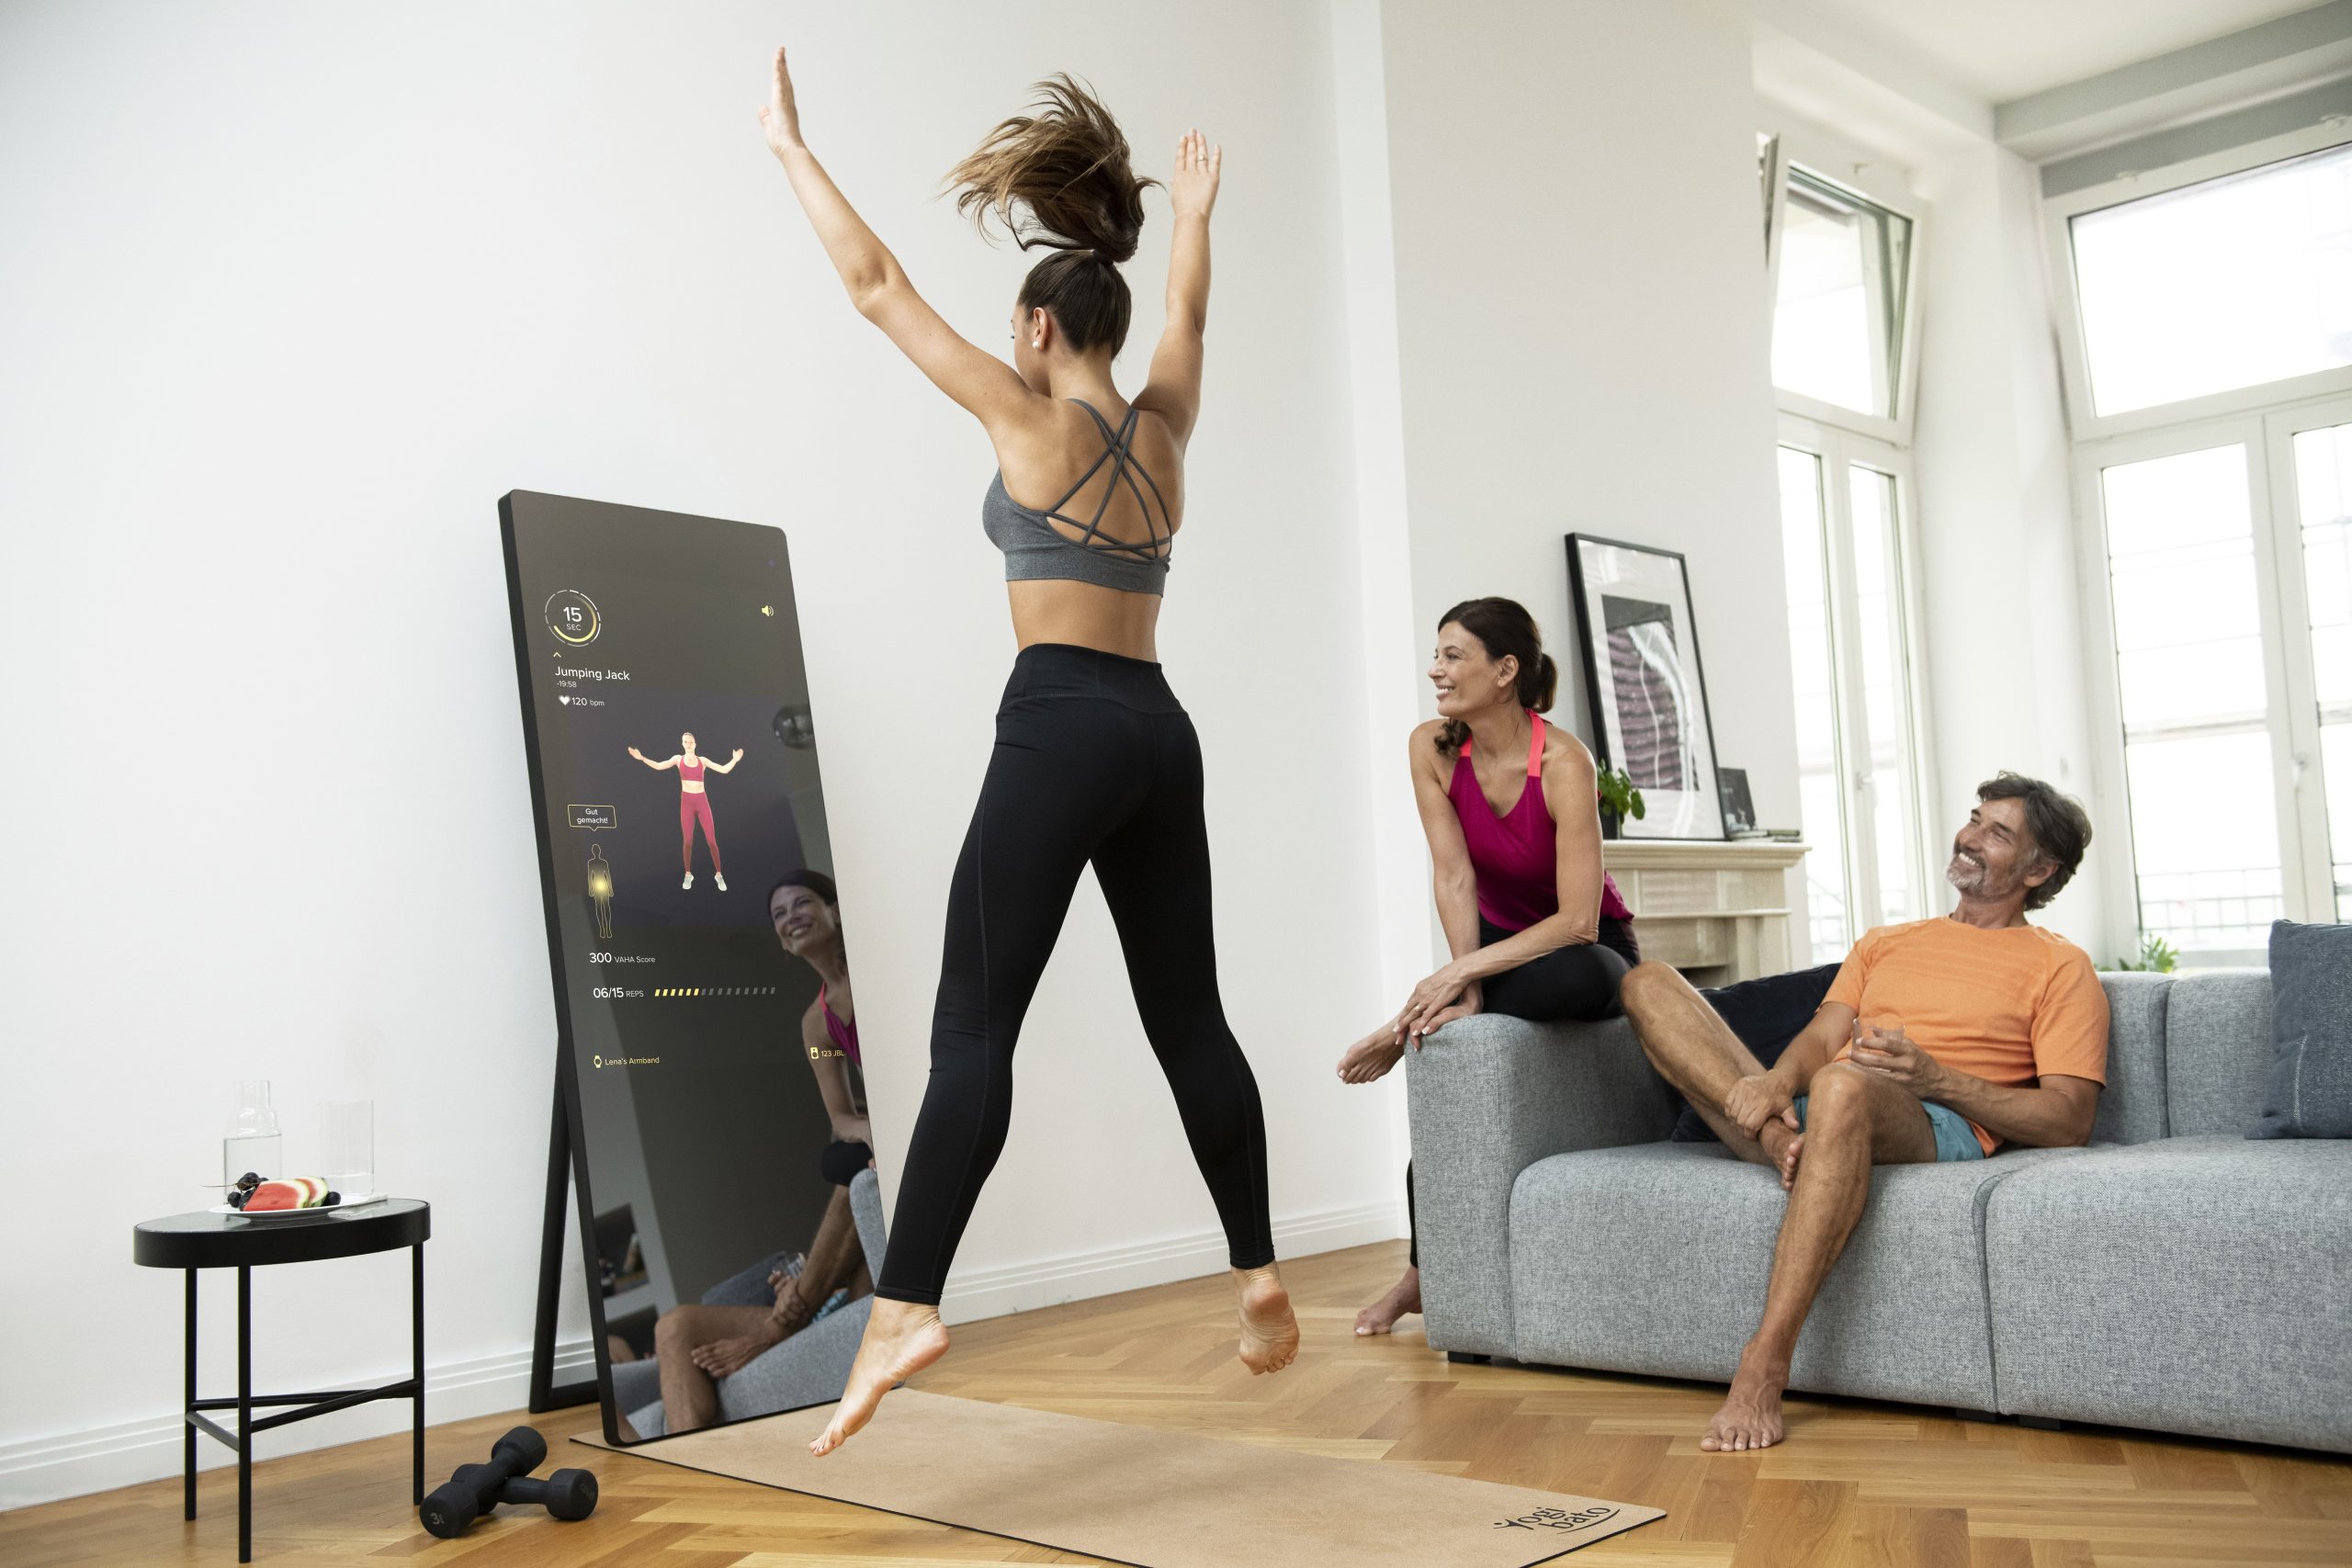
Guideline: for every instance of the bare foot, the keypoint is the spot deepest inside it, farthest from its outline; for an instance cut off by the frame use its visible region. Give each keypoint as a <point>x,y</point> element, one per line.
<point>1371,1057</point>
<point>1404,1296</point>
<point>1785,1147</point>
<point>901,1339</point>
<point>1269,1332</point>
<point>1750,1417</point>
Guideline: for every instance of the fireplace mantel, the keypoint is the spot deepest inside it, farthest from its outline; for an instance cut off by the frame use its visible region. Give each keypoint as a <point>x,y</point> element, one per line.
<point>1716,911</point>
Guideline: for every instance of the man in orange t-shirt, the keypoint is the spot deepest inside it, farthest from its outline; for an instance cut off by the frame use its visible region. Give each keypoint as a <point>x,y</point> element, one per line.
<point>1939,1040</point>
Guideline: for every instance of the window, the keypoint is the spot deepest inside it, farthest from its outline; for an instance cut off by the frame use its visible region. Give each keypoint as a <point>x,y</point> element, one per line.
<point>1859,756</point>
<point>2322,458</point>
<point>1841,260</point>
<point>2213,331</point>
<point>2225,284</point>
<point>1841,298</point>
<point>2188,658</point>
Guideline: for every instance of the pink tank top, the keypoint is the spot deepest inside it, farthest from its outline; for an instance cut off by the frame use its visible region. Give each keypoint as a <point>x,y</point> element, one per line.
<point>690,771</point>
<point>1516,855</point>
<point>844,1034</point>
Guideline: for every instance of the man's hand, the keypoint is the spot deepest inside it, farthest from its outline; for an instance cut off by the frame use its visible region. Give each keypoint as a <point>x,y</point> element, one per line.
<point>1884,1049</point>
<point>1752,1102</point>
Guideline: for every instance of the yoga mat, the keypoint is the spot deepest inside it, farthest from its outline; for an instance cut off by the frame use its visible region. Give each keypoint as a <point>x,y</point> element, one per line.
<point>1135,1494</point>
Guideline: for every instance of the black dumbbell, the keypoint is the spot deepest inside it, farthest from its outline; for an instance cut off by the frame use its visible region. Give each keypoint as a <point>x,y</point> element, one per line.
<point>567,1494</point>
<point>475,1489</point>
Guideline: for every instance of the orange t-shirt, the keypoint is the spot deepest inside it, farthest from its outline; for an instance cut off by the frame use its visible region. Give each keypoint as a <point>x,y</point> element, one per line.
<point>2008,1006</point>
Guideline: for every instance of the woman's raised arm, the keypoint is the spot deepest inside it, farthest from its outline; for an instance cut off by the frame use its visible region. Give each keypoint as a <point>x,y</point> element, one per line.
<point>1173,392</point>
<point>982,384</point>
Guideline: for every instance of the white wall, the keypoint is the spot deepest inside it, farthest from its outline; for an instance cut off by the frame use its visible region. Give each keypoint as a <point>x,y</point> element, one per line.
<point>2004,633</point>
<point>1585,337</point>
<point>290,296</point>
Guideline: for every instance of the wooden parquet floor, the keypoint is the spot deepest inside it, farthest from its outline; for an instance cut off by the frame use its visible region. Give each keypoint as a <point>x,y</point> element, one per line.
<point>1856,1484</point>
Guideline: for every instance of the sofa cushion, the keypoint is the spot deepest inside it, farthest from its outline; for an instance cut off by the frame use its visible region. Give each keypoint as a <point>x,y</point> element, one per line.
<point>1654,1258</point>
<point>2132,1106</point>
<point>2191,1285</point>
<point>2311,1020</point>
<point>2217,1051</point>
<point>1766,1014</point>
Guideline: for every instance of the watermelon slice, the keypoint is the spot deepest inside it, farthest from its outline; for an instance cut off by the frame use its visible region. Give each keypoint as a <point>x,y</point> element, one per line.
<point>275,1195</point>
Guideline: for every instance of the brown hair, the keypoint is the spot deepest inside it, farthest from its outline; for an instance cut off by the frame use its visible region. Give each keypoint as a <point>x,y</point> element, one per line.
<point>1507,630</point>
<point>2060,828</point>
<point>1067,168</point>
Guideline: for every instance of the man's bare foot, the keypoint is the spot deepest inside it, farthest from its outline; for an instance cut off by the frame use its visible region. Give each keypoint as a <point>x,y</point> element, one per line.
<point>1404,1296</point>
<point>1785,1147</point>
<point>1750,1417</point>
<point>1269,1331</point>
<point>901,1339</point>
<point>1371,1057</point>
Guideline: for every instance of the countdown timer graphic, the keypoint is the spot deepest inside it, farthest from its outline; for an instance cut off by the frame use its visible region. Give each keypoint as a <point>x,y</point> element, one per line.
<point>571,616</point>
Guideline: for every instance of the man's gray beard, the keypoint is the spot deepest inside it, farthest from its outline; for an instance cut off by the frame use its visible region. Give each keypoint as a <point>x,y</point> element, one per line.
<point>1966,875</point>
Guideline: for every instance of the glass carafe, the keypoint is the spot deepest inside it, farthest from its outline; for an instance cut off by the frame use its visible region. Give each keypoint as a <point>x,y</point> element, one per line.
<point>252,1143</point>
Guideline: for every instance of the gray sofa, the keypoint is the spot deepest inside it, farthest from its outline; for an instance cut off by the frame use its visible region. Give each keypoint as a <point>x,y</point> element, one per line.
<point>2174,1275</point>
<point>808,1369</point>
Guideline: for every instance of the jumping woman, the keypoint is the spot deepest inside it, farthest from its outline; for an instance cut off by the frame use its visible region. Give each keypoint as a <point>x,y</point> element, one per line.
<point>1095,761</point>
<point>694,802</point>
<point>1511,809</point>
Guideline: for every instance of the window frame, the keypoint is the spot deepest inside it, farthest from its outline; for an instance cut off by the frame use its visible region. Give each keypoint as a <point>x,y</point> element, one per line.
<point>1839,450</point>
<point>2083,422</point>
<point>2307,881</point>
<point>2306,763</point>
<point>1867,183</point>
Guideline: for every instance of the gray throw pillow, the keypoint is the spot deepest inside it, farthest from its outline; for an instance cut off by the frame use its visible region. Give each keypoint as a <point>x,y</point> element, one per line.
<point>2311,1014</point>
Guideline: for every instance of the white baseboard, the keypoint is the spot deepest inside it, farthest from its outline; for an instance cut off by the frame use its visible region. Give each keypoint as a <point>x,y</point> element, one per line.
<point>98,1458</point>
<point>1025,1287</point>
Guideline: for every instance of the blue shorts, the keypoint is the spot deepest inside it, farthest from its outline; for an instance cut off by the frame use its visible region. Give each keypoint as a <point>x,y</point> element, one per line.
<point>1955,1139</point>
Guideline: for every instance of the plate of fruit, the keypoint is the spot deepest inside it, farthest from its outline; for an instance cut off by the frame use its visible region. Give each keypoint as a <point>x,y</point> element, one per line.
<point>286,1198</point>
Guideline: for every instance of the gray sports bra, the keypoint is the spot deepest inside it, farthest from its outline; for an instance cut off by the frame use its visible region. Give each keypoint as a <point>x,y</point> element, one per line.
<point>1035,550</point>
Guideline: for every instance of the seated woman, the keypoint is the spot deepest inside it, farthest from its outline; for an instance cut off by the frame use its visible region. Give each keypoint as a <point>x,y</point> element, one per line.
<point>1512,808</point>
<point>771,1301</point>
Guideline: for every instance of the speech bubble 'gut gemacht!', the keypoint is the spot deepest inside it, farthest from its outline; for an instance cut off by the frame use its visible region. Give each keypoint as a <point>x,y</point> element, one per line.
<point>592,817</point>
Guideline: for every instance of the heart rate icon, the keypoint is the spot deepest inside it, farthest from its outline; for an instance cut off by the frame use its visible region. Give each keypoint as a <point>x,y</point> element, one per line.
<point>566,701</point>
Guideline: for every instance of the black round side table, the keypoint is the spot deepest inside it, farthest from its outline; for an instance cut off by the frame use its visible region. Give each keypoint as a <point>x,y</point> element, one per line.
<point>231,1241</point>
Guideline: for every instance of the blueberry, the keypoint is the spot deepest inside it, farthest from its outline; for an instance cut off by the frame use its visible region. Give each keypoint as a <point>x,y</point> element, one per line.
<point>332,1197</point>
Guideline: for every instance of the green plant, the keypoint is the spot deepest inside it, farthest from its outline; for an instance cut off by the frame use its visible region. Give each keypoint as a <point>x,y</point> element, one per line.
<point>2157,955</point>
<point>1618,794</point>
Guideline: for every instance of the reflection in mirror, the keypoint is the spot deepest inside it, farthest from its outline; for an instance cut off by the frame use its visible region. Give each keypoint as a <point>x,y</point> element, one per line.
<point>718,1095</point>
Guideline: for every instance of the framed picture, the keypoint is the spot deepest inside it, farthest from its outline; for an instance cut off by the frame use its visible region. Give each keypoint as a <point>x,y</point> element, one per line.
<point>1739,806</point>
<point>1642,676</point>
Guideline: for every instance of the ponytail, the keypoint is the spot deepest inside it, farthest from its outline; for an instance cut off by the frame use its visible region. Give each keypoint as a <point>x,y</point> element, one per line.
<point>1062,177</point>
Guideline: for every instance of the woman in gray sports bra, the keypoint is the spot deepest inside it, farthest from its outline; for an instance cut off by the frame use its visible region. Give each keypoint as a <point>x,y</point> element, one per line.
<point>1095,761</point>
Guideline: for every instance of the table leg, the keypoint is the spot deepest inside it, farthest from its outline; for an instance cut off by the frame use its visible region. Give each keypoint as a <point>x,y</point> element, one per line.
<point>244,1413</point>
<point>416,1334</point>
<point>189,1454</point>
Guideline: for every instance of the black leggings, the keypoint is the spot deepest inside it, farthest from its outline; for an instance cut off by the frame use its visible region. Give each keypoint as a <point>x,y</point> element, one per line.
<point>1094,761</point>
<point>1568,983</point>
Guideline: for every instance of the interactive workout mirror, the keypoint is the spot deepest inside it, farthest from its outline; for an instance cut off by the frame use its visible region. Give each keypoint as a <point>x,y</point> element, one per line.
<point>715,1106</point>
